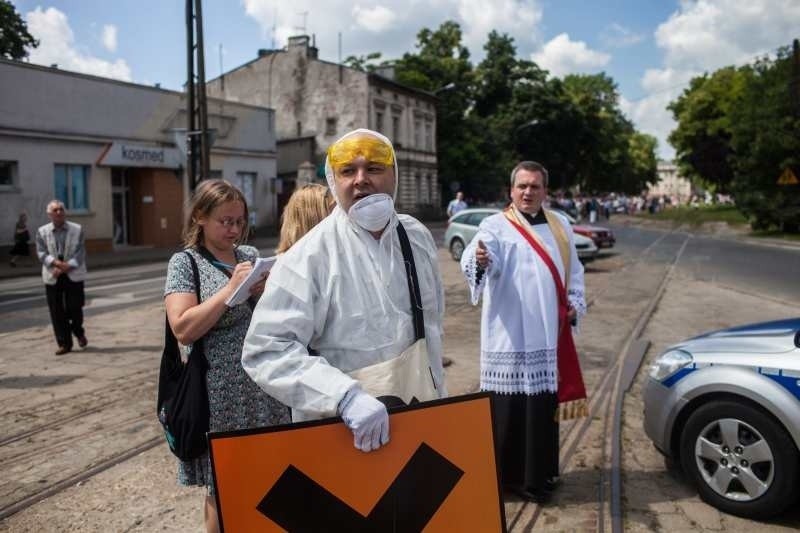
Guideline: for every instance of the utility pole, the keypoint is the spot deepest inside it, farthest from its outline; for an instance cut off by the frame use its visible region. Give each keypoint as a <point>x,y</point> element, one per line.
<point>794,84</point>
<point>198,142</point>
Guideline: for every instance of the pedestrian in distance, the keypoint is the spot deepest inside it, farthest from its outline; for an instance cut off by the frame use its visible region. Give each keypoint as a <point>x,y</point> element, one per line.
<point>337,309</point>
<point>21,239</point>
<point>306,208</point>
<point>456,204</point>
<point>524,264</point>
<point>61,250</point>
<point>213,234</point>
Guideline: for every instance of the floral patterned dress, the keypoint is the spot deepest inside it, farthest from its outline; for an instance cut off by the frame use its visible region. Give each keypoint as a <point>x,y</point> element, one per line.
<point>235,401</point>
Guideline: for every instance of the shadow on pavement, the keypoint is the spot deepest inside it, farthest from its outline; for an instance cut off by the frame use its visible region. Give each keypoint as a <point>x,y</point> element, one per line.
<point>25,382</point>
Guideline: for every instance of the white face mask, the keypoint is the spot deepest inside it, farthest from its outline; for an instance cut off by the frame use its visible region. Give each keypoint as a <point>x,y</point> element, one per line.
<point>372,212</point>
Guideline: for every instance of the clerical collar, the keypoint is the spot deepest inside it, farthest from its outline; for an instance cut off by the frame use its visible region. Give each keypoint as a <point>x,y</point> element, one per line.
<point>539,218</point>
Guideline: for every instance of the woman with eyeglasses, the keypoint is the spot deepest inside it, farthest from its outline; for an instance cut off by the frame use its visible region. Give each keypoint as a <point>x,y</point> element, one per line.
<point>213,234</point>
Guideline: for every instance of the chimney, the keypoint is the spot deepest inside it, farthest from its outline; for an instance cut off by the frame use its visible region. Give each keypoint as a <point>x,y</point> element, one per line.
<point>263,52</point>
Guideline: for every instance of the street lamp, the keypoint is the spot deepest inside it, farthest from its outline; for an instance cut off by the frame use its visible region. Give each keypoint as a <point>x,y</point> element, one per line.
<point>529,124</point>
<point>447,87</point>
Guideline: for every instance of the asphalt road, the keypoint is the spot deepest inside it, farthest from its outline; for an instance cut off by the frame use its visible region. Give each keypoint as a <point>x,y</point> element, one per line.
<point>749,268</point>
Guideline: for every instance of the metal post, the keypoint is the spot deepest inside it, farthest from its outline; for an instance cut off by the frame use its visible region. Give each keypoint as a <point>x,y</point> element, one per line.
<point>202,111</point>
<point>190,111</point>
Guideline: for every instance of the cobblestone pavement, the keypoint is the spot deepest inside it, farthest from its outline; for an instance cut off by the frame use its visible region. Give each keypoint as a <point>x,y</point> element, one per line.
<point>116,375</point>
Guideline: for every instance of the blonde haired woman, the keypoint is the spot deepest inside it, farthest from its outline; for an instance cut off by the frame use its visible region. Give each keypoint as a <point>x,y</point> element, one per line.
<point>305,209</point>
<point>213,235</point>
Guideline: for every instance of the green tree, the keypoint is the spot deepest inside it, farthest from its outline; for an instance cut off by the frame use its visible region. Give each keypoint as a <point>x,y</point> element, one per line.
<point>14,36</point>
<point>702,139</point>
<point>365,63</point>
<point>441,65</point>
<point>765,142</point>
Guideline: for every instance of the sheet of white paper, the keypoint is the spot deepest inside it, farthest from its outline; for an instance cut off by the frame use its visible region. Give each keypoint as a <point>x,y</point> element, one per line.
<point>260,269</point>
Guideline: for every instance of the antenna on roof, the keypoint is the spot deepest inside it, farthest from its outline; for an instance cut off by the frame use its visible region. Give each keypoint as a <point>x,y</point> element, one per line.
<point>274,24</point>
<point>302,28</point>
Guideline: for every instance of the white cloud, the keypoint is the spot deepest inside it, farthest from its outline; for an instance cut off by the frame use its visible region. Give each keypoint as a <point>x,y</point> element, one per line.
<point>375,19</point>
<point>563,56</point>
<point>519,19</point>
<point>618,36</point>
<point>392,25</point>
<point>57,46</point>
<point>110,37</point>
<point>702,36</point>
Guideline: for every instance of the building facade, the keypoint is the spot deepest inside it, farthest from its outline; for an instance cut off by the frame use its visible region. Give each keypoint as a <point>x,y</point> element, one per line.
<point>113,152</point>
<point>671,183</point>
<point>317,101</point>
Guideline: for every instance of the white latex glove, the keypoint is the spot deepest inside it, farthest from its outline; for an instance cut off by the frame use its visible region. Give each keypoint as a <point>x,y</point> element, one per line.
<point>367,418</point>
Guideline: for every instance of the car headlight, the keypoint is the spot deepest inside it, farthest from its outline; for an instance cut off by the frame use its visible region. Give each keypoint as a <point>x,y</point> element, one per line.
<point>669,363</point>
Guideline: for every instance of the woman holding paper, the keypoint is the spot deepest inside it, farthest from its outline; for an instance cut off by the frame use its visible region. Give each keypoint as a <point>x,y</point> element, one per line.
<point>213,233</point>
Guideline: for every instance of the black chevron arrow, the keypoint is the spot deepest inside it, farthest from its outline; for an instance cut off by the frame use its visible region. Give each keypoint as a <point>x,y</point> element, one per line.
<point>297,503</point>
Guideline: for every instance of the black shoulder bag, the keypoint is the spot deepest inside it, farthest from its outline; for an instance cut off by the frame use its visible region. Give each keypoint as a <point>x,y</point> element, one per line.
<point>182,404</point>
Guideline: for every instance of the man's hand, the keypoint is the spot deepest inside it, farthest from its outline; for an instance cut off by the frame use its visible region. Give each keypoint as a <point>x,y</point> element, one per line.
<point>367,419</point>
<point>572,313</point>
<point>482,255</point>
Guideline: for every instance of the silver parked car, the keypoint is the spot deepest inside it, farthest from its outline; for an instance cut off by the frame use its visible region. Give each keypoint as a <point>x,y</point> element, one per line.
<point>463,226</point>
<point>726,405</point>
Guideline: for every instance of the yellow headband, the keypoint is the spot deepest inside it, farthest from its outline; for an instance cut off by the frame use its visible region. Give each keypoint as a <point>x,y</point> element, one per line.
<point>347,150</point>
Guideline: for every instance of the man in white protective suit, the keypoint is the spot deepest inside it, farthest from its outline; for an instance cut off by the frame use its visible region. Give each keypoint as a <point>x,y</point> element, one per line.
<point>352,313</point>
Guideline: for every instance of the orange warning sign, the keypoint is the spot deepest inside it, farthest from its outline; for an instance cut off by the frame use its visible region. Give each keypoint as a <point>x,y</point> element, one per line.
<point>788,177</point>
<point>437,473</point>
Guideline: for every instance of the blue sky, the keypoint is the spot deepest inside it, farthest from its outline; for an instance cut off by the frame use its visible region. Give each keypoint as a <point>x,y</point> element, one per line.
<point>650,48</point>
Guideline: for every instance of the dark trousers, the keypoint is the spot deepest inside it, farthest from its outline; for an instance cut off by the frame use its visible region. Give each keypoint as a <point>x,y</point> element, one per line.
<point>526,439</point>
<point>65,300</point>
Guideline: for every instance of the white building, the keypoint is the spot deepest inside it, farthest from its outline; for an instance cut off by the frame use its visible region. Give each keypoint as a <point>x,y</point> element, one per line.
<point>316,102</point>
<point>108,150</point>
<point>671,183</point>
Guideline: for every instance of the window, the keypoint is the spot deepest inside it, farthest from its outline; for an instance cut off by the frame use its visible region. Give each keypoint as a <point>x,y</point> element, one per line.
<point>8,173</point>
<point>246,182</point>
<point>72,186</point>
<point>417,133</point>
<point>396,128</point>
<point>428,136</point>
<point>379,121</point>
<point>330,126</point>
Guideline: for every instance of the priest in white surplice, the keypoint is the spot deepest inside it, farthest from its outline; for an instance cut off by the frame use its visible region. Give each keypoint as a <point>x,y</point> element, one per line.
<point>524,263</point>
<point>336,312</point>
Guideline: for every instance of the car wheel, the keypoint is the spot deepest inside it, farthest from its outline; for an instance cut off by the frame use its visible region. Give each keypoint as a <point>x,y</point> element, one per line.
<point>457,248</point>
<point>741,460</point>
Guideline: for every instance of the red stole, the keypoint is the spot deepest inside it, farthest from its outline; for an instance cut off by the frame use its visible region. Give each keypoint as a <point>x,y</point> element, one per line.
<point>570,379</point>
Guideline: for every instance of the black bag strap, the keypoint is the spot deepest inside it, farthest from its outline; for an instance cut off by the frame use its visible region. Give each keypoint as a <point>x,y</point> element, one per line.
<point>196,274</point>
<point>413,283</point>
<point>211,258</point>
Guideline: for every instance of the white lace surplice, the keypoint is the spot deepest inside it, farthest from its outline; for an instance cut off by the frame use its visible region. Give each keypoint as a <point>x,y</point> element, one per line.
<point>519,325</point>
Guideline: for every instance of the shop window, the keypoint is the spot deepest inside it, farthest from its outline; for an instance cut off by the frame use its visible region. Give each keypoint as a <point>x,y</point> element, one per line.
<point>71,183</point>
<point>8,174</point>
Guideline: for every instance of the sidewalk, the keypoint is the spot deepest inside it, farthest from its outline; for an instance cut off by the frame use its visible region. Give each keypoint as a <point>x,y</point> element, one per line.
<point>127,256</point>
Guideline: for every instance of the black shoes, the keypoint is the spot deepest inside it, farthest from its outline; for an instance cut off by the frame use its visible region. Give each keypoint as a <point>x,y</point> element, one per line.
<point>82,341</point>
<point>62,350</point>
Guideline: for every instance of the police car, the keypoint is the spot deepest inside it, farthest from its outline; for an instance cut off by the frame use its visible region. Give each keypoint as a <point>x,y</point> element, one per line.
<point>726,406</point>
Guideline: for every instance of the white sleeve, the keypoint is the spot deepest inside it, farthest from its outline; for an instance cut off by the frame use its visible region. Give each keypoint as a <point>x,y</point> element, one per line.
<point>476,276</point>
<point>575,290</point>
<point>275,353</point>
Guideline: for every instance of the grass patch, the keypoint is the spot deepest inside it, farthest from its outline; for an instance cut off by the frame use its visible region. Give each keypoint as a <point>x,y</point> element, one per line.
<point>695,216</point>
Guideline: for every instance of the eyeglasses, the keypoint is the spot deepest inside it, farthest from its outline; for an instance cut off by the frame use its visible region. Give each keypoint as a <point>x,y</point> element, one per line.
<point>228,222</point>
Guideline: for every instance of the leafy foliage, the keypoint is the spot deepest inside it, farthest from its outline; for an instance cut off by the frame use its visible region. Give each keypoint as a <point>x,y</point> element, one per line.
<point>14,36</point>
